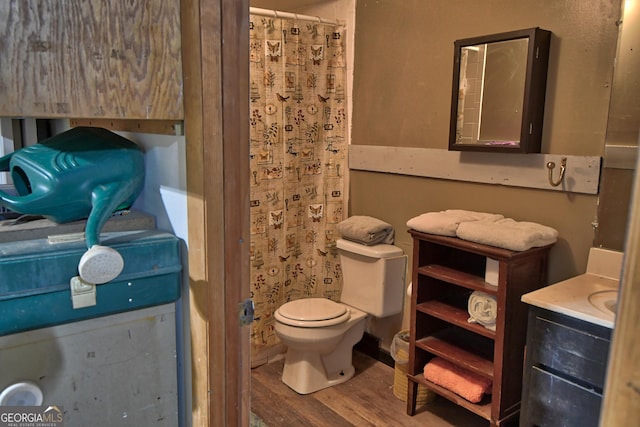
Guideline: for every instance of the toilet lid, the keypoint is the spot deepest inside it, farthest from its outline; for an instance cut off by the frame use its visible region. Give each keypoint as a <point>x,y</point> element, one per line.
<point>312,309</point>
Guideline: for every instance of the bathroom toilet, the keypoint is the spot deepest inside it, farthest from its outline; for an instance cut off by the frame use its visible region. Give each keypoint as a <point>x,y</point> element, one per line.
<point>320,333</point>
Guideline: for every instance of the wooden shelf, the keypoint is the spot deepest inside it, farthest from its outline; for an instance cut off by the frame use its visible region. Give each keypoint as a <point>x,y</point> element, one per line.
<point>482,409</point>
<point>457,355</point>
<point>454,315</point>
<point>446,271</point>
<point>457,277</point>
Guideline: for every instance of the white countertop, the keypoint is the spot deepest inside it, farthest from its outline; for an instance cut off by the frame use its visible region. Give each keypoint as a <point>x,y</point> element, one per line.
<point>571,297</point>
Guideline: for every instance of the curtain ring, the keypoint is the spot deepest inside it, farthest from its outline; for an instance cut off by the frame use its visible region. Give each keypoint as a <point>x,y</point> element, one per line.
<point>563,167</point>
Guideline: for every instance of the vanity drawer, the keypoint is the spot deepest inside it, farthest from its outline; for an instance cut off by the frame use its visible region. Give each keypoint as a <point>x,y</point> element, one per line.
<point>576,349</point>
<point>555,401</point>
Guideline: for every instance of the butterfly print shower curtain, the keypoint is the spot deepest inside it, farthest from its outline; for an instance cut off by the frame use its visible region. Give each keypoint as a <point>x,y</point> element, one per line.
<point>298,161</point>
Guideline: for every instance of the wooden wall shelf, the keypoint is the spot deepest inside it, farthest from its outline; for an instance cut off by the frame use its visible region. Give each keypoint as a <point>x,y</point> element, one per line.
<point>509,169</point>
<point>158,127</point>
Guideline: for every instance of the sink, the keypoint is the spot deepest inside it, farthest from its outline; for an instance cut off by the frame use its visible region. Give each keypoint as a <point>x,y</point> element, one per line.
<point>591,297</point>
<point>604,301</point>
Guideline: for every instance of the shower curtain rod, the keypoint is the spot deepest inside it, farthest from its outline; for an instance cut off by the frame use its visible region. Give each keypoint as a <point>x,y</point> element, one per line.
<point>289,15</point>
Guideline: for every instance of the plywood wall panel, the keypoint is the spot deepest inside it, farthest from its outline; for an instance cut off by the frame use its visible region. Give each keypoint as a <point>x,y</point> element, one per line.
<point>93,58</point>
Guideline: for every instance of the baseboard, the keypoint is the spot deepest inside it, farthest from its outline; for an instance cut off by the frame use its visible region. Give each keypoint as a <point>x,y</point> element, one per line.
<point>270,354</point>
<point>370,345</point>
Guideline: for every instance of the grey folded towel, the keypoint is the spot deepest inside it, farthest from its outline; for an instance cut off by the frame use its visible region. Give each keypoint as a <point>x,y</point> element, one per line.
<point>366,230</point>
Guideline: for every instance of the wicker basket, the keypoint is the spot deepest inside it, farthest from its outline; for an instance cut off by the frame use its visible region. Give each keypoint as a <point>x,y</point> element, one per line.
<point>400,380</point>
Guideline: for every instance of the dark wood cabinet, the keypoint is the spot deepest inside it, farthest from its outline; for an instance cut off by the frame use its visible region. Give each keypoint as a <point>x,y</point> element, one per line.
<point>445,271</point>
<point>565,368</point>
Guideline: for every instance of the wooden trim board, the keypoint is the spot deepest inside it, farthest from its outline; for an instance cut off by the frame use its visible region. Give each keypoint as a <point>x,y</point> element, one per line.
<point>216,93</point>
<point>517,170</point>
<point>200,412</point>
<point>158,127</point>
<point>621,401</point>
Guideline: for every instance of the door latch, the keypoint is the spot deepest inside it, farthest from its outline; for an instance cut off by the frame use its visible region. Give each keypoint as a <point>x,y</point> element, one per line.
<point>83,294</point>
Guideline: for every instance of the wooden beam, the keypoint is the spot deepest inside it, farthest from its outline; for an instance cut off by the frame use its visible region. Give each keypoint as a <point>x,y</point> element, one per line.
<point>235,178</point>
<point>196,209</point>
<point>510,169</point>
<point>216,129</point>
<point>158,127</point>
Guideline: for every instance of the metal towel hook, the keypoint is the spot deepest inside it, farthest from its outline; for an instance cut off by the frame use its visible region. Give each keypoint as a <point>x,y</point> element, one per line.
<point>563,167</point>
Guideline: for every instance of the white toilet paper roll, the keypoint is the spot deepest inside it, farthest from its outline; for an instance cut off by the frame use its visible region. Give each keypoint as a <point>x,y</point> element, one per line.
<point>492,272</point>
<point>25,393</point>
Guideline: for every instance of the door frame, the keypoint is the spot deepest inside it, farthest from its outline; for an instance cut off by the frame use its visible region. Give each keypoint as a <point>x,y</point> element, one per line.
<point>215,49</point>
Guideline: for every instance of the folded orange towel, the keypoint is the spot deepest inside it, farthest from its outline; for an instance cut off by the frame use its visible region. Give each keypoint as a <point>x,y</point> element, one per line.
<point>462,382</point>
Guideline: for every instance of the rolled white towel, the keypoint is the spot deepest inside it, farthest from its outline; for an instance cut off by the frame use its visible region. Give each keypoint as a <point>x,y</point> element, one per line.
<point>483,309</point>
<point>508,234</point>
<point>366,230</point>
<point>445,223</point>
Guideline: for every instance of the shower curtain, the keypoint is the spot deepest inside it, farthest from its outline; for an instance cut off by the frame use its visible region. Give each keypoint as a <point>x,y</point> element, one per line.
<point>298,159</point>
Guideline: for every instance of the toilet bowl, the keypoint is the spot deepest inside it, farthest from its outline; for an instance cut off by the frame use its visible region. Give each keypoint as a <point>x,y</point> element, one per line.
<point>319,335</point>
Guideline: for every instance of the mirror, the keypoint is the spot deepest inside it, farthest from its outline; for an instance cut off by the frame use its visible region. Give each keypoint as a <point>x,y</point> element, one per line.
<point>499,85</point>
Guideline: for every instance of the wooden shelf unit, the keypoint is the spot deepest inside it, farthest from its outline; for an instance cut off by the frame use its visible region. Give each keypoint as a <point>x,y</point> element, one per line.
<point>445,271</point>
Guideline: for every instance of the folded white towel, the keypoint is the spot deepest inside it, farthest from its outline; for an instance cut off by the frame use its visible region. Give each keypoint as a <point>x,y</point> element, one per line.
<point>366,230</point>
<point>483,309</point>
<point>446,223</point>
<point>508,234</point>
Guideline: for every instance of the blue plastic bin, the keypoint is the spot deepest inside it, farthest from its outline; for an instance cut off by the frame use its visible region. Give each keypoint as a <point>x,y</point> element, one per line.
<point>35,279</point>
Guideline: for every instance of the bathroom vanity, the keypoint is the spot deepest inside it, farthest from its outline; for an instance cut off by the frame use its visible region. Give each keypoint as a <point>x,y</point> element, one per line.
<point>445,271</point>
<point>565,366</point>
<point>568,338</point>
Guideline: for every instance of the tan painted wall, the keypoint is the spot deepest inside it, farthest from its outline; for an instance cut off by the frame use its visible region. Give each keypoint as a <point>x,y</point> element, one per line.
<point>402,95</point>
<point>404,59</point>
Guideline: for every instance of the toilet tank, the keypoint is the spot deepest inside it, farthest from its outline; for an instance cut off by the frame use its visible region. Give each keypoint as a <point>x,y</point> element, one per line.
<point>373,277</point>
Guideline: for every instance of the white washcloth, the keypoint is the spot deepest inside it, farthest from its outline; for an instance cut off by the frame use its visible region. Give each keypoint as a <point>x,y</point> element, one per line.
<point>483,309</point>
<point>446,223</point>
<point>366,230</point>
<point>508,234</point>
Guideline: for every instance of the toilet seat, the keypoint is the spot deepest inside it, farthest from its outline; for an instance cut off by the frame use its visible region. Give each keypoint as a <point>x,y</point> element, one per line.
<point>312,313</point>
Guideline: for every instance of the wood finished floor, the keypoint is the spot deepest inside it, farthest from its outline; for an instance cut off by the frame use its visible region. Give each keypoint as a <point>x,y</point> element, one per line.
<point>365,400</point>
